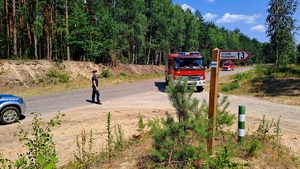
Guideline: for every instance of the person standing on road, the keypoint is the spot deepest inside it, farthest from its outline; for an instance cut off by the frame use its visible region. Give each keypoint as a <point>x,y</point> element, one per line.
<point>95,88</point>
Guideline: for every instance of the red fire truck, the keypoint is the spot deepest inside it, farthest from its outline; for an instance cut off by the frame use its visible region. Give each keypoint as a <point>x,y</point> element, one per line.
<point>186,64</point>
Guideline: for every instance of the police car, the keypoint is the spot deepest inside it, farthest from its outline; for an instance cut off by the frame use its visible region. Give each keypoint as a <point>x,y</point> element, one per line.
<point>11,108</point>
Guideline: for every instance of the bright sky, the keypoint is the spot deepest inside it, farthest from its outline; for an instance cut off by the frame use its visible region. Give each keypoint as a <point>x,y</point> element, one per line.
<point>247,15</point>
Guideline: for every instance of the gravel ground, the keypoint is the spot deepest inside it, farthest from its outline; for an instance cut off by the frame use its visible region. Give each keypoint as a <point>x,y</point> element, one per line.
<point>125,111</point>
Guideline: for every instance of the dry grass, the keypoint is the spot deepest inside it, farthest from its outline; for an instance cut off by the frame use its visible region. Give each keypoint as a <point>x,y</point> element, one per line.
<point>80,83</point>
<point>272,155</point>
<point>279,89</point>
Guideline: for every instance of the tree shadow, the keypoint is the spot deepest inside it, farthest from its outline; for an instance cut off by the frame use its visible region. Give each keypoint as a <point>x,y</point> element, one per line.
<point>282,87</point>
<point>161,86</point>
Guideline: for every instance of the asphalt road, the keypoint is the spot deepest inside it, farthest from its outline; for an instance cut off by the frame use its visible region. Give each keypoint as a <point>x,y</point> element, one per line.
<point>53,103</point>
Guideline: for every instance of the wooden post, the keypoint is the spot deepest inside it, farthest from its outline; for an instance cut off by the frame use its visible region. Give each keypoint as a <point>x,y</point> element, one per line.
<point>213,91</point>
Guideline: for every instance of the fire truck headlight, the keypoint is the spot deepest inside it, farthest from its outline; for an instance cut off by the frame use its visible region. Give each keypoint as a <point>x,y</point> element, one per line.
<point>200,77</point>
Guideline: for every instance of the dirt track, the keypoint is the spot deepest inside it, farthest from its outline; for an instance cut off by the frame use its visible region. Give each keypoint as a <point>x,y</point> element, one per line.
<point>125,111</point>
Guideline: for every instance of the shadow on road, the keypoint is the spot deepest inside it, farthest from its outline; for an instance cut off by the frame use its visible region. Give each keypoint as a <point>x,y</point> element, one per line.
<point>161,86</point>
<point>22,117</point>
<point>90,101</point>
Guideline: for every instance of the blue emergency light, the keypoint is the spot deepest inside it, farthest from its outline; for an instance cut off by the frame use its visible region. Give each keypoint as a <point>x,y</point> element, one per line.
<point>189,53</point>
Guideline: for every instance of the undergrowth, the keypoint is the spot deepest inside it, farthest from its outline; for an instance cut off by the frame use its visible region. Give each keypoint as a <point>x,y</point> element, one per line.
<point>41,151</point>
<point>246,82</point>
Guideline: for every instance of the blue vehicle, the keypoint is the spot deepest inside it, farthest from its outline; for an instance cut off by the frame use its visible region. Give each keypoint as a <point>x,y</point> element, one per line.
<point>11,108</point>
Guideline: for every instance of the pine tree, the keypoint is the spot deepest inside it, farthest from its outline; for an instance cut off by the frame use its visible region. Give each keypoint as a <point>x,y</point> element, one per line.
<point>281,28</point>
<point>182,139</point>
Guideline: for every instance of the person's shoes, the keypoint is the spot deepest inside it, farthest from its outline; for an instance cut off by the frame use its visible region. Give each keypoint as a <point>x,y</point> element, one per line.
<point>99,103</point>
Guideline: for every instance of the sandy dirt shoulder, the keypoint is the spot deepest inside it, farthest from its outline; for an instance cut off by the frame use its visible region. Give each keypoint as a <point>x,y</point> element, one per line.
<point>125,111</point>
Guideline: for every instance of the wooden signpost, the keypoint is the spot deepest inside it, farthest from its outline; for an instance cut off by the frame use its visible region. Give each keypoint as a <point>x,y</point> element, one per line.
<point>218,55</point>
<point>213,91</point>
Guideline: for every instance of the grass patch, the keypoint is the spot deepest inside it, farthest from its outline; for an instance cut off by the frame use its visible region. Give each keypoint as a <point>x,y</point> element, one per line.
<point>278,84</point>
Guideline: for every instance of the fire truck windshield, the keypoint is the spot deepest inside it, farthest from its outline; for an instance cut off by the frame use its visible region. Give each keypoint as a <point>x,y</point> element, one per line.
<point>189,63</point>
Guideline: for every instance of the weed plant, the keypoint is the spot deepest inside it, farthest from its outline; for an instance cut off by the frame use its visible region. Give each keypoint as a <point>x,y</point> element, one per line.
<point>41,147</point>
<point>141,124</point>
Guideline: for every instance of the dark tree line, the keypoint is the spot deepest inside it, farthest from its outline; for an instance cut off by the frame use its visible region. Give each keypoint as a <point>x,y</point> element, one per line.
<point>131,31</point>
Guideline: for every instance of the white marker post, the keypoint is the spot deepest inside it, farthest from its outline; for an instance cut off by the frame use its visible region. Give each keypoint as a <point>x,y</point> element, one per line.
<point>241,125</point>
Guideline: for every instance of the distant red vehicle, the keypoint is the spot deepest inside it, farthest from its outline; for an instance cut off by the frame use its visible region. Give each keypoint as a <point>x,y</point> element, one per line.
<point>228,66</point>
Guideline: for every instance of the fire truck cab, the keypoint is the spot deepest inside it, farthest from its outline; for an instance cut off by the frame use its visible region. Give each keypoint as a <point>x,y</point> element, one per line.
<point>186,65</point>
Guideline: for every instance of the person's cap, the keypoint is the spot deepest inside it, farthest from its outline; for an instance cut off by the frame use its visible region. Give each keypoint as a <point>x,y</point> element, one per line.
<point>94,71</point>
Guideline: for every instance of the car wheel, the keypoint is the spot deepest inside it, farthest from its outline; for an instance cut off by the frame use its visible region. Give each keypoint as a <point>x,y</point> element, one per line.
<point>200,88</point>
<point>9,115</point>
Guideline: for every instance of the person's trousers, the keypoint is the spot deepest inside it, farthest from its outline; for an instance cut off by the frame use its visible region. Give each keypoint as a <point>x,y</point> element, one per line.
<point>96,92</point>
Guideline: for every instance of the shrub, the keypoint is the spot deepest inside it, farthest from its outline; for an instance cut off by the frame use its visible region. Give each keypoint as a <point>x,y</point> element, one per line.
<point>105,73</point>
<point>289,69</point>
<point>229,87</point>
<point>52,73</point>
<point>233,85</point>
<point>123,74</point>
<point>40,80</point>
<point>252,147</point>
<point>41,147</point>
<point>242,76</point>
<point>225,88</point>
<point>64,78</point>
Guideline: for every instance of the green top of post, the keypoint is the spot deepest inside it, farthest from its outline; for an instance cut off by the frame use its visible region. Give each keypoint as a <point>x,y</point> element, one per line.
<point>242,109</point>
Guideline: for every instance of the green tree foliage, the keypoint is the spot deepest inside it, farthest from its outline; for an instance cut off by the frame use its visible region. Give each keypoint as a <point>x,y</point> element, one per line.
<point>135,31</point>
<point>181,140</point>
<point>281,28</point>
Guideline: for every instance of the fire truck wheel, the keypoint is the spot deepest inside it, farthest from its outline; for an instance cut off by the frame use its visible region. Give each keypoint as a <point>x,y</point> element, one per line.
<point>200,88</point>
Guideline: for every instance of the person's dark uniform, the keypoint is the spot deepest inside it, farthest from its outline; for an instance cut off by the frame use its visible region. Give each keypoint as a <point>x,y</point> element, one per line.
<point>95,88</point>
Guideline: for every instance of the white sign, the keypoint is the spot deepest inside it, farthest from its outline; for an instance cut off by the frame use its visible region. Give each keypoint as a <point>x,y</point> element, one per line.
<point>234,55</point>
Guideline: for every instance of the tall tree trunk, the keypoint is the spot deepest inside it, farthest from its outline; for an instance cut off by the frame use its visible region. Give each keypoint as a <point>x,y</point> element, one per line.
<point>46,28</point>
<point>160,54</point>
<point>133,54</point>
<point>14,28</point>
<point>21,30</point>
<point>149,51</point>
<point>52,30</point>
<point>277,55</point>
<point>67,31</point>
<point>35,46</point>
<point>156,58</point>
<point>7,27</point>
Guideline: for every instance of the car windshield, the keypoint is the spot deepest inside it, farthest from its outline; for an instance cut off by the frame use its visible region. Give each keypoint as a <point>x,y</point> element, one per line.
<point>226,64</point>
<point>189,63</point>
